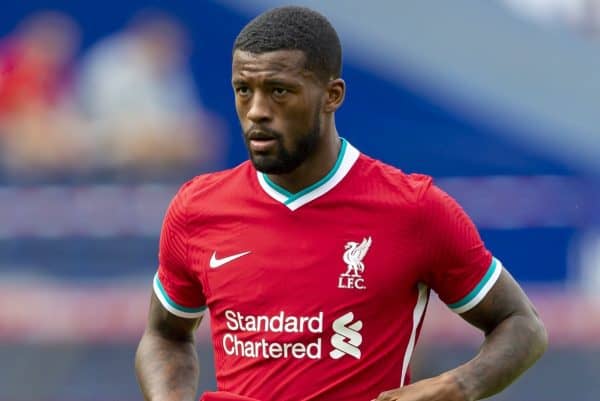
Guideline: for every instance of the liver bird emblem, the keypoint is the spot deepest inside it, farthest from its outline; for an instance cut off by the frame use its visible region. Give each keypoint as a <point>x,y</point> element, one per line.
<point>354,255</point>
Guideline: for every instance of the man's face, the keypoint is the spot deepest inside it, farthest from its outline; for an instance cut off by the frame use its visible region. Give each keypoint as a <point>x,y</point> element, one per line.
<point>278,103</point>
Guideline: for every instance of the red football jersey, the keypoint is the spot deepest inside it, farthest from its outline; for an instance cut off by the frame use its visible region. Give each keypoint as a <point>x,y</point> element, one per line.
<point>318,295</point>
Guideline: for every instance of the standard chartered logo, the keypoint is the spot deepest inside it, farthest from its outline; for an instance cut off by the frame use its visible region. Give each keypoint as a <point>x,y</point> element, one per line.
<point>263,344</point>
<point>265,325</point>
<point>347,338</point>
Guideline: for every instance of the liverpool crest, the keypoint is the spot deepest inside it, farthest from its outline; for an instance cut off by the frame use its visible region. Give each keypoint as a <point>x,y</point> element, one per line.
<point>353,257</point>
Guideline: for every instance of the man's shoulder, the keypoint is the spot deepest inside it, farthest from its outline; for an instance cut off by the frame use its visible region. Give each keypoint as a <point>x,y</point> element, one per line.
<point>411,187</point>
<point>218,182</point>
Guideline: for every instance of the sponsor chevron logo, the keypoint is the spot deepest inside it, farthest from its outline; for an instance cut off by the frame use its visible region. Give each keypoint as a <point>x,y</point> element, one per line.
<point>347,338</point>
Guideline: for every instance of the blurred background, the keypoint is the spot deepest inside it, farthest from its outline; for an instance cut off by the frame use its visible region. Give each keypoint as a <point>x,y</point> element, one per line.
<point>107,107</point>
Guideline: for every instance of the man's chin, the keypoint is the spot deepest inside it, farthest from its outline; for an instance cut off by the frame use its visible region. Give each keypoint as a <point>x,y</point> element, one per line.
<point>269,165</point>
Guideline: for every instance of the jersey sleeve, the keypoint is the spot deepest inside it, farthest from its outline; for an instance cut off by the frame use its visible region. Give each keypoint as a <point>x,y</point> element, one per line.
<point>460,268</point>
<point>175,284</point>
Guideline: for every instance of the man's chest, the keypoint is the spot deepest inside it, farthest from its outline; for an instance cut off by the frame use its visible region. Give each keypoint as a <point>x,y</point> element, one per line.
<point>306,261</point>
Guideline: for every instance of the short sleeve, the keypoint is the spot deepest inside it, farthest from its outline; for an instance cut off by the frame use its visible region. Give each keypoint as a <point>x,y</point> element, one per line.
<point>460,268</point>
<point>175,284</point>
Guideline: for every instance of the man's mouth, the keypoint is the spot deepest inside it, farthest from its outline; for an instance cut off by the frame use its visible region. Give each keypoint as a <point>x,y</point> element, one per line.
<point>260,141</point>
<point>262,144</point>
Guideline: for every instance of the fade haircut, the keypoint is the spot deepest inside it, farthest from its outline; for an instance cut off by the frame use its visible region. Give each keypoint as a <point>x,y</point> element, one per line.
<point>295,28</point>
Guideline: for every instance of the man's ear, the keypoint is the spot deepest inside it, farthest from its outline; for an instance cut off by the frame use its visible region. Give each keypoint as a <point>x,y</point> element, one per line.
<point>336,91</point>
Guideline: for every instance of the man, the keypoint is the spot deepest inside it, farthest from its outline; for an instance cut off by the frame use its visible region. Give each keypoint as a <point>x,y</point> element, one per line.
<point>315,261</point>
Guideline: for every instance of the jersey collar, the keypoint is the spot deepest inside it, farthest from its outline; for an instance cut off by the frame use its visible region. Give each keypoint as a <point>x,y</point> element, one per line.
<point>346,158</point>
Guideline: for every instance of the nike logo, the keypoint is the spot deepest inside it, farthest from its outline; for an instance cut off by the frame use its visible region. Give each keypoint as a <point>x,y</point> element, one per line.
<point>214,262</point>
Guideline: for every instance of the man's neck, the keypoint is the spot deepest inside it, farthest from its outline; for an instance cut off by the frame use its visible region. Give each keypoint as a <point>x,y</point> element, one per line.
<point>312,169</point>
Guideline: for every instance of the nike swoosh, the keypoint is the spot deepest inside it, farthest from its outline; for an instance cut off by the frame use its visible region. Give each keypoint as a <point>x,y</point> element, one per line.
<point>214,262</point>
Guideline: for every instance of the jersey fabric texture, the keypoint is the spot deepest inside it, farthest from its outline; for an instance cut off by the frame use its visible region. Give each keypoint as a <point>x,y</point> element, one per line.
<point>321,294</point>
<point>224,396</point>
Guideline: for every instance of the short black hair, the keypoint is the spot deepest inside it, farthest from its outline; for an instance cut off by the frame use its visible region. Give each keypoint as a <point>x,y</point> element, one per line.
<point>295,28</point>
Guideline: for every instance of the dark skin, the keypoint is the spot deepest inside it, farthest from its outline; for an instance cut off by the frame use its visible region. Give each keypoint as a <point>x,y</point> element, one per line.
<point>275,93</point>
<point>166,362</point>
<point>273,90</point>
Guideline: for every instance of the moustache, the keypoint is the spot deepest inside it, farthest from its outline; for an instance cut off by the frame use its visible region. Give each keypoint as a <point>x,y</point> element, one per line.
<point>256,133</point>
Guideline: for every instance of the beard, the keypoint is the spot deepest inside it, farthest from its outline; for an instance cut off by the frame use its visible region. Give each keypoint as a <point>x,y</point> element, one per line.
<point>285,160</point>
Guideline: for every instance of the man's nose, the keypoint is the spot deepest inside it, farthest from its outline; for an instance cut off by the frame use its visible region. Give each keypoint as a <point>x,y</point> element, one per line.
<point>260,109</point>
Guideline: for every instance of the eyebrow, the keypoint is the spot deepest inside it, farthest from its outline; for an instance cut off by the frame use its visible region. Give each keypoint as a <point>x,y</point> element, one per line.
<point>281,82</point>
<point>269,82</point>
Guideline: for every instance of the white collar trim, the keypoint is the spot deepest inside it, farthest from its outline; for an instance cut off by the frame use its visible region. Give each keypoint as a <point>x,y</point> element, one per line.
<point>346,160</point>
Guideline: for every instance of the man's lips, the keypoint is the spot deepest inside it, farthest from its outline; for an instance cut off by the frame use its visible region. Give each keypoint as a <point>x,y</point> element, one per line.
<point>262,144</point>
<point>261,140</point>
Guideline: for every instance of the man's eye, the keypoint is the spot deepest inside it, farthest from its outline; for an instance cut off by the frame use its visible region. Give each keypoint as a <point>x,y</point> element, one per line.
<point>280,91</point>
<point>242,90</point>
